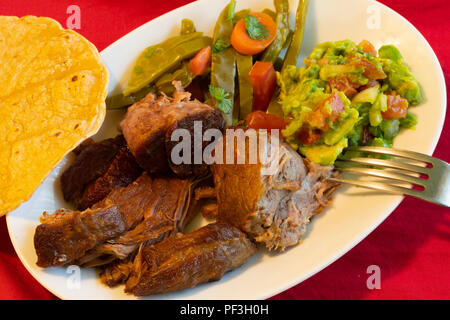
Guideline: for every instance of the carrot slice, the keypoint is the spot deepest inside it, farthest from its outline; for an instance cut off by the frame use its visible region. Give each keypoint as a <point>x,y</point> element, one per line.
<point>201,61</point>
<point>244,44</point>
<point>264,81</point>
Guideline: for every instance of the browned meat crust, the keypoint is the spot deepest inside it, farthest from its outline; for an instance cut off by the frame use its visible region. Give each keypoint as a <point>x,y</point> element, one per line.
<point>205,193</point>
<point>188,260</point>
<point>149,124</point>
<point>118,272</point>
<point>146,211</point>
<point>132,200</point>
<point>166,212</point>
<point>273,209</point>
<point>66,235</point>
<point>210,211</point>
<point>99,167</point>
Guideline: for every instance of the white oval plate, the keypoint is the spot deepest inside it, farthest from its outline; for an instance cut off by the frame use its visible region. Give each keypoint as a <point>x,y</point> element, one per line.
<point>354,213</point>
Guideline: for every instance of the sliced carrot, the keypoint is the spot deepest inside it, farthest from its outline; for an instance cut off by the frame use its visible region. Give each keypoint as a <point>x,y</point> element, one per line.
<point>264,81</point>
<point>241,41</point>
<point>201,61</point>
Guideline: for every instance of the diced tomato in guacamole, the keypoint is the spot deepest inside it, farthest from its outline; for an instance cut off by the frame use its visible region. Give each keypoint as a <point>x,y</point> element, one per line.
<point>322,120</point>
<point>396,107</point>
<point>328,111</point>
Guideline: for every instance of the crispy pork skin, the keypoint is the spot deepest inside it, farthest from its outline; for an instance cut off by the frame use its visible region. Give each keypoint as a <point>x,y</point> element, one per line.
<point>98,168</point>
<point>66,235</point>
<point>149,124</point>
<point>187,260</point>
<point>274,208</point>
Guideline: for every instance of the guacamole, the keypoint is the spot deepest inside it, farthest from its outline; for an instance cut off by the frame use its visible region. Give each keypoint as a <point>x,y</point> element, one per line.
<point>346,95</point>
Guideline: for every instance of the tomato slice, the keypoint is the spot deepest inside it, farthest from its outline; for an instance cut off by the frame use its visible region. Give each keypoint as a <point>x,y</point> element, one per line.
<point>264,80</point>
<point>370,71</point>
<point>324,61</point>
<point>345,85</point>
<point>368,47</point>
<point>329,110</point>
<point>396,107</point>
<point>370,84</point>
<point>201,61</point>
<point>307,135</point>
<point>261,120</point>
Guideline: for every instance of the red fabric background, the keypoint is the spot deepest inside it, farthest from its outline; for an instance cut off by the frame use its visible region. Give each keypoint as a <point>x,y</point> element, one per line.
<point>412,247</point>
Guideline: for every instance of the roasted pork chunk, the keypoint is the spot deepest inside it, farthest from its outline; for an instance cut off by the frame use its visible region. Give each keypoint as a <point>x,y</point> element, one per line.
<point>146,211</point>
<point>187,260</point>
<point>149,124</point>
<point>66,235</point>
<point>272,208</point>
<point>98,168</point>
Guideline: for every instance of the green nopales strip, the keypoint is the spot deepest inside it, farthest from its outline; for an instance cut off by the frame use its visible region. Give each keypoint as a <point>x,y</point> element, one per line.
<point>292,56</point>
<point>223,64</point>
<point>282,21</point>
<point>164,57</point>
<point>244,64</point>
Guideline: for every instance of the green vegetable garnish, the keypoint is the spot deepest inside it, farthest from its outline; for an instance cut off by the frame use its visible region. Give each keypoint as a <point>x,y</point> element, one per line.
<point>255,29</point>
<point>231,8</point>
<point>150,52</point>
<point>224,102</point>
<point>138,70</point>
<point>220,45</point>
<point>223,64</point>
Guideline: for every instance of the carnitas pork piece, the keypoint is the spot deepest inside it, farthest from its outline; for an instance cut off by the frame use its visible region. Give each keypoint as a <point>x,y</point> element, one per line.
<point>98,168</point>
<point>66,235</point>
<point>145,210</point>
<point>271,200</point>
<point>187,260</point>
<point>167,210</point>
<point>148,126</point>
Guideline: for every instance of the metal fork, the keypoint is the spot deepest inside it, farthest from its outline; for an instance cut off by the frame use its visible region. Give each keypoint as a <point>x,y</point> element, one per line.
<point>434,181</point>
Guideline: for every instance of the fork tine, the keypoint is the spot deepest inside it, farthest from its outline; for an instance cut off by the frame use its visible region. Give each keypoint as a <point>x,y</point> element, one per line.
<point>379,186</point>
<point>387,164</point>
<point>395,152</point>
<point>385,174</point>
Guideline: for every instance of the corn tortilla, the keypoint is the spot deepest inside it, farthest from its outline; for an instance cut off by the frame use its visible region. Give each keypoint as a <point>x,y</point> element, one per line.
<point>52,91</point>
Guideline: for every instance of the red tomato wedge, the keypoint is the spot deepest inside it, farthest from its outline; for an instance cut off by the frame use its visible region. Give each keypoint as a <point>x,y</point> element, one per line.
<point>396,107</point>
<point>264,81</point>
<point>370,71</point>
<point>368,47</point>
<point>262,120</point>
<point>321,115</point>
<point>201,61</point>
<point>345,85</point>
<point>370,84</point>
<point>241,41</point>
<point>307,135</point>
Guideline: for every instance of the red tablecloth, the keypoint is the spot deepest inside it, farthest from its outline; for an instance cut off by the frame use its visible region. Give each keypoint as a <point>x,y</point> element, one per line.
<point>412,247</point>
